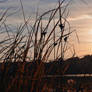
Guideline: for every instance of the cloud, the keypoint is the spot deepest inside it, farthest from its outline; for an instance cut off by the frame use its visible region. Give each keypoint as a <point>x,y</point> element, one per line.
<point>2,1</point>
<point>49,1</point>
<point>82,17</point>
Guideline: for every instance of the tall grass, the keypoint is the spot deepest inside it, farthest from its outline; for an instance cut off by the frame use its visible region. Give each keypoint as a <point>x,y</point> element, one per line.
<point>39,40</point>
<point>36,43</point>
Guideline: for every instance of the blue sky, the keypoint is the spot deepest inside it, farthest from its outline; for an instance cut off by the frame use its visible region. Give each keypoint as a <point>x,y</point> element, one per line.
<point>77,8</point>
<point>80,16</point>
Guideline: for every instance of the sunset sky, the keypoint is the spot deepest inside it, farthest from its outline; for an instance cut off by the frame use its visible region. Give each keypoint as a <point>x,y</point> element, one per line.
<point>80,18</point>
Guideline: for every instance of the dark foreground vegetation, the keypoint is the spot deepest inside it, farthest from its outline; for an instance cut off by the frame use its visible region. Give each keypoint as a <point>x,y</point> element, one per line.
<point>33,77</point>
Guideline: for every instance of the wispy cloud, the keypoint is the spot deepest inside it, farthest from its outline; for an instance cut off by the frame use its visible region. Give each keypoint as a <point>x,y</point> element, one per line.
<point>2,1</point>
<point>82,17</point>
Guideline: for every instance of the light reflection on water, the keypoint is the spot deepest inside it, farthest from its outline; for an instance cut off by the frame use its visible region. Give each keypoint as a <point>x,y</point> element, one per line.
<point>77,75</point>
